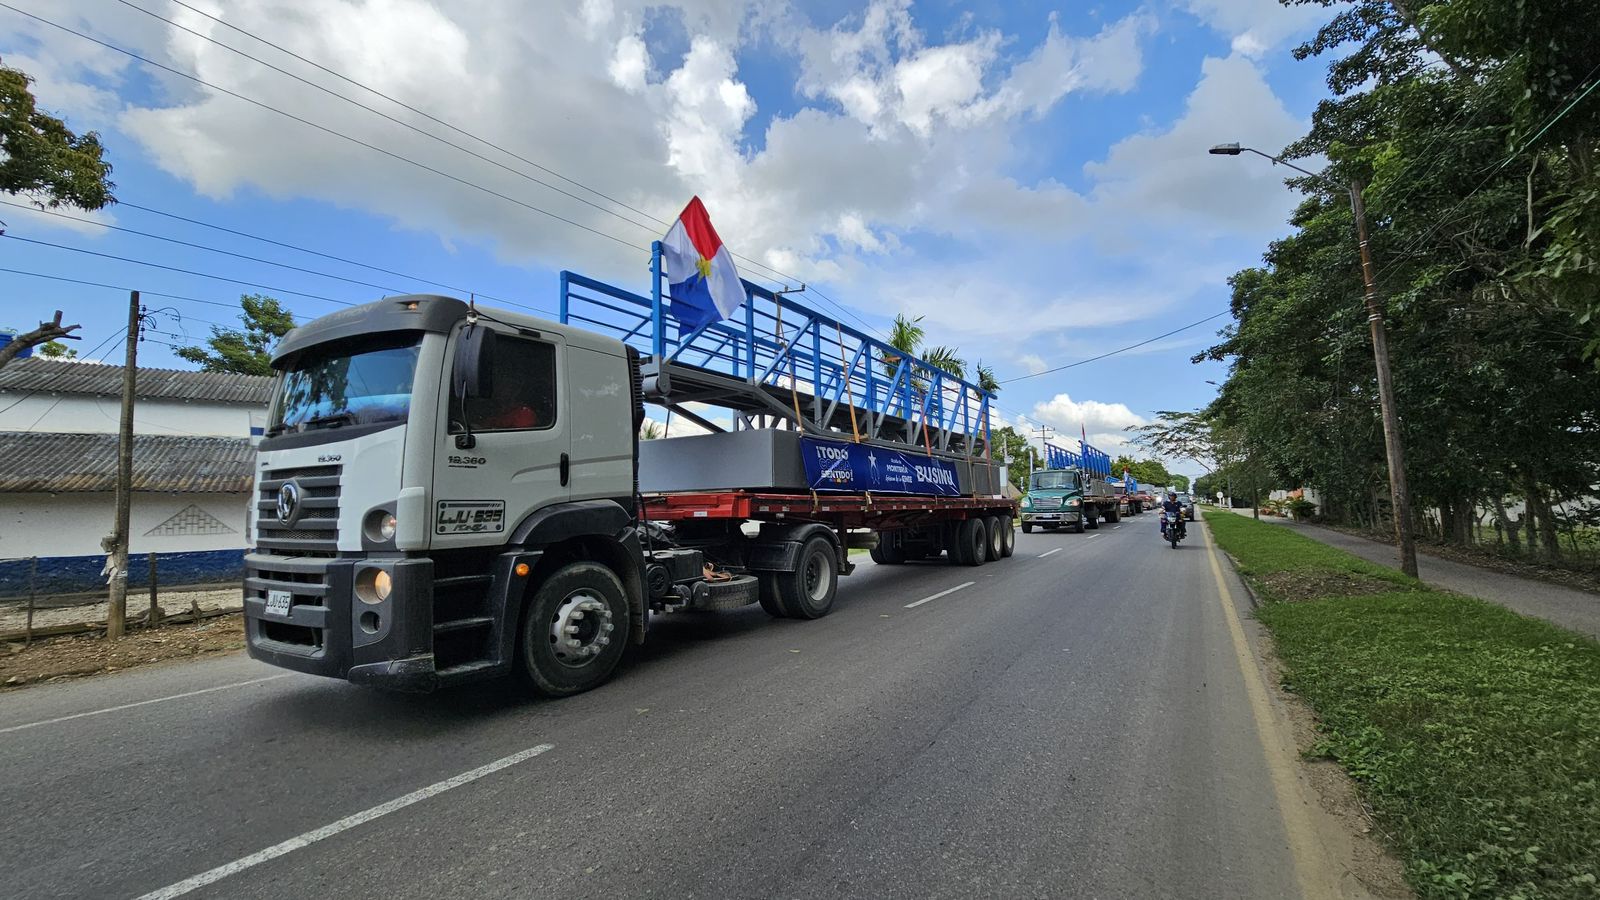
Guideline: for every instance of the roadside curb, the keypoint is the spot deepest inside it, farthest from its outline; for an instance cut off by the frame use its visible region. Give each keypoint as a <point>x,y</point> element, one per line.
<point>1255,599</point>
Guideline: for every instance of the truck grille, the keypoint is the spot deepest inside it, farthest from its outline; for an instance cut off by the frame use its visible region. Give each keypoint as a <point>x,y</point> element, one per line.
<point>315,531</point>
<point>1047,503</point>
<point>306,582</point>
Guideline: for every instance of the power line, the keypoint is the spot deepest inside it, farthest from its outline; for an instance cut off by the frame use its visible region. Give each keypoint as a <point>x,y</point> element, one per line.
<point>172,240</point>
<point>118,287</point>
<point>124,204</point>
<point>322,128</point>
<point>140,262</point>
<point>659,221</point>
<point>1117,351</point>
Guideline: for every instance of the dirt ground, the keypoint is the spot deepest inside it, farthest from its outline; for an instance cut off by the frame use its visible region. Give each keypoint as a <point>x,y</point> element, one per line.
<point>14,614</point>
<point>53,659</point>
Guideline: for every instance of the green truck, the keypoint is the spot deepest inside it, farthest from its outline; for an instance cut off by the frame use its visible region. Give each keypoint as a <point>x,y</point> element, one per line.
<point>1071,497</point>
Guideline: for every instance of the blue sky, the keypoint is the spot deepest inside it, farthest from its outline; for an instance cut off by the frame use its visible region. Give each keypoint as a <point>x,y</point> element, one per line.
<point>1030,177</point>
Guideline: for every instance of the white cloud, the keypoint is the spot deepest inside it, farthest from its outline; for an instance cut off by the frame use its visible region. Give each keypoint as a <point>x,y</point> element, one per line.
<point>1256,26</point>
<point>1105,422</point>
<point>1168,176</point>
<point>1032,363</point>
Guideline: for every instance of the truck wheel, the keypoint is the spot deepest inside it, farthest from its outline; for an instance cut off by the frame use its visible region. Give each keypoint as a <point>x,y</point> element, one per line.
<point>1008,537</point>
<point>808,591</point>
<point>1077,527</point>
<point>996,545</point>
<point>972,544</point>
<point>1114,515</point>
<point>1027,528</point>
<point>573,631</point>
<point>885,555</point>
<point>1089,521</point>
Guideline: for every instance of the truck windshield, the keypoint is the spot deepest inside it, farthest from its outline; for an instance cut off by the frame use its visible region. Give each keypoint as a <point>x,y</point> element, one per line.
<point>1053,481</point>
<point>361,382</point>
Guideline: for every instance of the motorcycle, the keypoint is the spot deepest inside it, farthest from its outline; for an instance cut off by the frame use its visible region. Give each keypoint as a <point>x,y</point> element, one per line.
<point>1172,530</point>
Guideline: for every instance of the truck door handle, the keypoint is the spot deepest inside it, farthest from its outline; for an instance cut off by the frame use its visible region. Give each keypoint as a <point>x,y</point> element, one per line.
<point>566,469</point>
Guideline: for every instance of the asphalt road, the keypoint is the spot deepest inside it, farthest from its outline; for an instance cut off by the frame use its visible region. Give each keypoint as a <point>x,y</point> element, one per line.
<point>1075,724</point>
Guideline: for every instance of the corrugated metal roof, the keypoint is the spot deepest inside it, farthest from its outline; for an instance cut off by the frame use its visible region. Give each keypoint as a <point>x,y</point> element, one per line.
<point>51,462</point>
<point>56,376</point>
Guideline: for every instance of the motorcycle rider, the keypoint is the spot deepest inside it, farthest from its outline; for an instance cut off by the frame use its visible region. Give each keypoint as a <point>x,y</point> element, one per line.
<point>1174,512</point>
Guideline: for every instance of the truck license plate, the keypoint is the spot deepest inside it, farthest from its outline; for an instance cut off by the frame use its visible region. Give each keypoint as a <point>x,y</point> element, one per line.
<point>278,603</point>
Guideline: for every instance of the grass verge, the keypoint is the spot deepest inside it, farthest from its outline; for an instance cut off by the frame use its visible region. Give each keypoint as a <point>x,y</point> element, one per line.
<point>1473,731</point>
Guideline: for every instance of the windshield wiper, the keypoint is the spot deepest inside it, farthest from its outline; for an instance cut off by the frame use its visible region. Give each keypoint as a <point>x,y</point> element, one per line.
<point>331,420</point>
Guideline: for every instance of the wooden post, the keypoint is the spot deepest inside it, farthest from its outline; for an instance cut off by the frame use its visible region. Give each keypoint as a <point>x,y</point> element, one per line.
<point>117,612</point>
<point>153,617</point>
<point>33,574</point>
<point>194,611</point>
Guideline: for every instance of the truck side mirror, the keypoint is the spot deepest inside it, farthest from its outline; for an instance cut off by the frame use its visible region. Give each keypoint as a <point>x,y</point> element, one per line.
<point>473,374</point>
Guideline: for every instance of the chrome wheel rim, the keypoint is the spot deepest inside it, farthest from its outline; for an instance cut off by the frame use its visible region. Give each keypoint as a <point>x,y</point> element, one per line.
<point>580,629</point>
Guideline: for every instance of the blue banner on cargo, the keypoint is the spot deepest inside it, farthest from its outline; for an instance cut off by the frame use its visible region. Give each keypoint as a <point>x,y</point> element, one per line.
<point>864,467</point>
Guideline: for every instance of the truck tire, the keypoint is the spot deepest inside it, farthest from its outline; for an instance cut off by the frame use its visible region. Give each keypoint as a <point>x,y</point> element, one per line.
<point>1089,520</point>
<point>888,556</point>
<point>573,629</point>
<point>996,546</point>
<point>808,591</point>
<point>1114,514</point>
<point>1027,528</point>
<point>972,544</point>
<point>1008,538</point>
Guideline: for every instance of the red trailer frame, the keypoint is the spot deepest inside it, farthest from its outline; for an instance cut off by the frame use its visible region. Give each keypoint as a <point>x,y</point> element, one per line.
<point>877,512</point>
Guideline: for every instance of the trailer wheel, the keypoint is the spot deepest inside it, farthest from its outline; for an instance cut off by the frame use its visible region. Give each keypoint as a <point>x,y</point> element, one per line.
<point>808,591</point>
<point>1008,538</point>
<point>888,555</point>
<point>972,543</point>
<point>573,630</point>
<point>996,545</point>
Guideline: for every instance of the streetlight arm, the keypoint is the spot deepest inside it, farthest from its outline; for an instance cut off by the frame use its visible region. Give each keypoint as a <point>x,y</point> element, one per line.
<point>1280,161</point>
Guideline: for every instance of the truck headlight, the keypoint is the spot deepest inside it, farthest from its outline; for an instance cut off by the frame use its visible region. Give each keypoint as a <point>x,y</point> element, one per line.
<point>1074,502</point>
<point>380,525</point>
<point>1027,501</point>
<point>373,585</point>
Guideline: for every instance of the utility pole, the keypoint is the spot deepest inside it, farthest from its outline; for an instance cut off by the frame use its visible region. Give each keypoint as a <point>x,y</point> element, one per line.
<point>116,616</point>
<point>1043,433</point>
<point>1391,418</point>
<point>1393,450</point>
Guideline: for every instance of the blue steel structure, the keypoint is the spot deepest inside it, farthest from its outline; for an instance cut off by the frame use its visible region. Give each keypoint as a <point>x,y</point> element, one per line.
<point>1086,457</point>
<point>776,360</point>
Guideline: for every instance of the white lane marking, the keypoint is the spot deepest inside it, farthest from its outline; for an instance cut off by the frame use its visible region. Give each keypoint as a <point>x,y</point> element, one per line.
<point>940,594</point>
<point>1048,552</point>
<point>344,824</point>
<point>112,709</point>
<point>1093,536</point>
<point>1115,527</point>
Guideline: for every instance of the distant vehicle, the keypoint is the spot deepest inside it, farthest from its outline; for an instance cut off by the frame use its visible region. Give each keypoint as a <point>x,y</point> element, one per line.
<point>1072,492</point>
<point>1188,505</point>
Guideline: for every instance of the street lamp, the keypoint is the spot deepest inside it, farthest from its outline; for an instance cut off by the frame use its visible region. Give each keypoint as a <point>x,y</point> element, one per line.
<point>1380,355</point>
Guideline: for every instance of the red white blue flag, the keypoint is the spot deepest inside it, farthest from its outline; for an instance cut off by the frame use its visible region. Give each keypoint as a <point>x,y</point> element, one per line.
<point>705,285</point>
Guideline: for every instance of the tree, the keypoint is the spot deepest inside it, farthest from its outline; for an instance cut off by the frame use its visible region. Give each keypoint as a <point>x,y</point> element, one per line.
<point>651,430</point>
<point>41,159</point>
<point>46,332</point>
<point>986,379</point>
<point>906,336</point>
<point>57,350</point>
<point>247,352</point>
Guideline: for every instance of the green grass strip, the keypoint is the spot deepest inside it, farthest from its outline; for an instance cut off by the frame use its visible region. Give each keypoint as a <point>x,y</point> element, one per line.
<point>1474,732</point>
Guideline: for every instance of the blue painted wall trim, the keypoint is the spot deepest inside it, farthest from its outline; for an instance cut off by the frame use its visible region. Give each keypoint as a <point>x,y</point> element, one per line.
<point>74,574</point>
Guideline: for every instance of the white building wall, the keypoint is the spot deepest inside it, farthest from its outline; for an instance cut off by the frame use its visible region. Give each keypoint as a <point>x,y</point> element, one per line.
<point>72,524</point>
<point>90,413</point>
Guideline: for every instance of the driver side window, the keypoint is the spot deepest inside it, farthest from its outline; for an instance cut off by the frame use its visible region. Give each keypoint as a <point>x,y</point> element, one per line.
<point>524,390</point>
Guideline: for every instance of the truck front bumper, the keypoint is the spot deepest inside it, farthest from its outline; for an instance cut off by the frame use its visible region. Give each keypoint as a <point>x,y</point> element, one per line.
<point>327,630</point>
<point>1064,517</point>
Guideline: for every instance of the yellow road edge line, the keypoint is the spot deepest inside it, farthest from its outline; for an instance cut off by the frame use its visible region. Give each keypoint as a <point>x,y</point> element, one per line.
<point>1306,851</point>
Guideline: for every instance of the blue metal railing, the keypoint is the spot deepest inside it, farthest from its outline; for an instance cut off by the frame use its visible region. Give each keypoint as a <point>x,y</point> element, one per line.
<point>1086,457</point>
<point>772,340</point>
